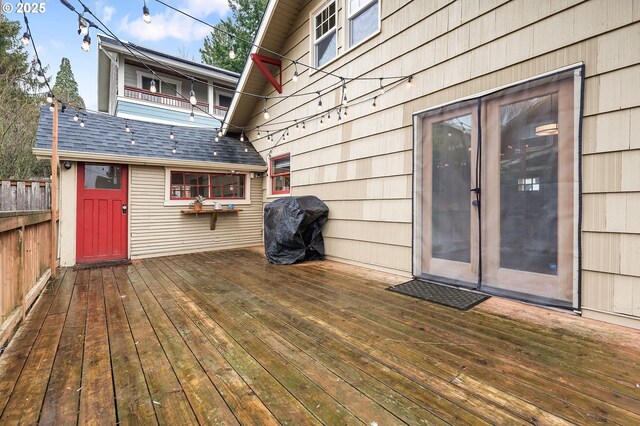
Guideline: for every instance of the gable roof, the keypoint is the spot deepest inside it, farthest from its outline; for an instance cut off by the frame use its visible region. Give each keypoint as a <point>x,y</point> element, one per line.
<point>279,18</point>
<point>104,139</point>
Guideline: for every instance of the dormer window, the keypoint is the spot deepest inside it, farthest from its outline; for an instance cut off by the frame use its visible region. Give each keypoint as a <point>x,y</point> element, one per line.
<point>325,35</point>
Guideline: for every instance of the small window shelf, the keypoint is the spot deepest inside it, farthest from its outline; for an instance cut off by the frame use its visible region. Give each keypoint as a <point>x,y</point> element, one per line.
<point>214,214</point>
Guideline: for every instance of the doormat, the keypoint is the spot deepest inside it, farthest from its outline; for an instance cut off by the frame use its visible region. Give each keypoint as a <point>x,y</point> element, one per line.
<point>441,294</point>
<point>103,264</point>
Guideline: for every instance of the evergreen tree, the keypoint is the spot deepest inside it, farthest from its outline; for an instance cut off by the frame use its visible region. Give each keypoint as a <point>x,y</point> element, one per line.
<point>20,94</point>
<point>66,87</point>
<point>242,25</point>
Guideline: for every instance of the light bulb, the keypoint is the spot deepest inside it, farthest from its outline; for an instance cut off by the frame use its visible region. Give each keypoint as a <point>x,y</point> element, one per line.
<point>82,123</point>
<point>217,139</point>
<point>174,150</point>
<point>295,76</point>
<point>49,97</point>
<point>83,26</point>
<point>265,114</point>
<point>319,104</point>
<point>25,39</point>
<point>52,107</point>
<point>381,88</point>
<point>152,86</point>
<point>242,137</point>
<point>409,81</point>
<point>303,127</point>
<point>215,153</point>
<point>219,133</point>
<point>86,43</point>
<point>171,136</point>
<point>40,77</point>
<point>76,117</point>
<point>126,128</point>
<point>146,17</point>
<point>373,105</point>
<point>246,150</point>
<point>232,53</point>
<point>344,99</point>
<point>192,98</point>
<point>133,141</point>
<point>192,116</point>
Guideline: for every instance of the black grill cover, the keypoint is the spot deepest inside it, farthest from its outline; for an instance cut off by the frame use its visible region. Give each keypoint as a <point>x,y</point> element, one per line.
<point>293,229</point>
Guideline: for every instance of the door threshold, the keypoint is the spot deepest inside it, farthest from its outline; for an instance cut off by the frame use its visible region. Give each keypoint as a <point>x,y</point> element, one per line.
<point>101,264</point>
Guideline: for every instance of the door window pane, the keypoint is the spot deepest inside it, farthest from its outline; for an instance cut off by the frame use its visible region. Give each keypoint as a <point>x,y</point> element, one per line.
<point>528,185</point>
<point>451,183</point>
<point>102,176</point>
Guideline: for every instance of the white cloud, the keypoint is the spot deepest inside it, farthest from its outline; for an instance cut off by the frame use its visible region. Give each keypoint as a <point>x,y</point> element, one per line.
<point>170,24</point>
<point>57,44</point>
<point>107,13</point>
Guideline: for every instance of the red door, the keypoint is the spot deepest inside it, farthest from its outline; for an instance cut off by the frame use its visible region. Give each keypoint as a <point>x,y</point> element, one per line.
<point>102,212</point>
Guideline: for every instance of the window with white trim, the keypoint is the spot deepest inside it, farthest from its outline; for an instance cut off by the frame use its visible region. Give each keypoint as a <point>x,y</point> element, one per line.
<point>363,19</point>
<point>165,86</point>
<point>280,168</point>
<point>188,185</point>
<point>325,35</point>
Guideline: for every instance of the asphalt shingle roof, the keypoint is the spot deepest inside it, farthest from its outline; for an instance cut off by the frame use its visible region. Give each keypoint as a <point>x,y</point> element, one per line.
<point>105,134</point>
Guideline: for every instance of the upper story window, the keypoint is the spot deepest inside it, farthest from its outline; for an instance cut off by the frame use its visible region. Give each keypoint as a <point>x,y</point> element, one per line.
<point>364,19</point>
<point>224,99</point>
<point>281,174</point>
<point>325,35</point>
<point>187,185</point>
<point>165,86</point>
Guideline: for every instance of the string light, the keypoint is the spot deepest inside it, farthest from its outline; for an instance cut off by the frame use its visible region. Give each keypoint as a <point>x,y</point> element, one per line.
<point>86,43</point>
<point>265,111</point>
<point>303,126</point>
<point>146,17</point>
<point>126,127</point>
<point>381,87</point>
<point>76,118</point>
<point>133,141</point>
<point>232,49</point>
<point>192,95</point>
<point>295,72</point>
<point>246,150</point>
<point>40,77</point>
<point>49,98</point>
<point>345,111</point>
<point>152,86</point>
<point>192,116</point>
<point>319,102</point>
<point>174,150</point>
<point>409,81</point>
<point>171,135</point>
<point>63,108</point>
<point>373,105</point>
<point>322,120</point>
<point>242,136</point>
<point>82,122</point>
<point>297,126</point>
<point>83,26</point>
<point>26,38</point>
<point>215,153</point>
<point>52,107</point>
<point>217,139</point>
<point>258,129</point>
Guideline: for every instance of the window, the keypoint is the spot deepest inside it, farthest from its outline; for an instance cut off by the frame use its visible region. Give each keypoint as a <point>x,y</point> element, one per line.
<point>281,174</point>
<point>186,185</point>
<point>165,86</point>
<point>224,99</point>
<point>102,176</point>
<point>364,19</point>
<point>325,35</point>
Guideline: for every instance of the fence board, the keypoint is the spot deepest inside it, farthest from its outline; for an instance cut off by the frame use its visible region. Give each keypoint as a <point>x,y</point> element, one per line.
<point>25,195</point>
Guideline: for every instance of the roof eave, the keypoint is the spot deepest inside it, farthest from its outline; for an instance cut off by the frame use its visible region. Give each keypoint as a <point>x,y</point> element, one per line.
<point>42,153</point>
<point>264,25</point>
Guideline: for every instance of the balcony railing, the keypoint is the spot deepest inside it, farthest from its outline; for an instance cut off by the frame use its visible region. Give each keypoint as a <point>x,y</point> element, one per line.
<point>169,100</point>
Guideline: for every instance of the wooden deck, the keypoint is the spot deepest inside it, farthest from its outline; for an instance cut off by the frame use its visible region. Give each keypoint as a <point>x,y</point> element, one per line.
<point>226,338</point>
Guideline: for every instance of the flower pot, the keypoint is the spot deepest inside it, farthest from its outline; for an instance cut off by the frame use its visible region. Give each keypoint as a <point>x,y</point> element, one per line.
<point>197,207</point>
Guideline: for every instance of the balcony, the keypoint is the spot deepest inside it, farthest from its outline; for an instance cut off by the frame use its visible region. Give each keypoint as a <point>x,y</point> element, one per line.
<point>170,101</point>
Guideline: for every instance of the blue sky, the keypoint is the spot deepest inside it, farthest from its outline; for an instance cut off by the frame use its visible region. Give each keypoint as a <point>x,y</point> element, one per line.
<point>55,32</point>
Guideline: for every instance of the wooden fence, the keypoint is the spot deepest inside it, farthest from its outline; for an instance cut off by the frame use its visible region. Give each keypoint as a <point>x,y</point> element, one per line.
<point>25,195</point>
<point>25,265</point>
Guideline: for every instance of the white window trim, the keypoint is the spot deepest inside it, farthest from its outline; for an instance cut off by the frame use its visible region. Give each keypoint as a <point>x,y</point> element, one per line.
<point>312,28</point>
<point>223,93</point>
<point>168,202</point>
<point>355,13</point>
<point>141,74</point>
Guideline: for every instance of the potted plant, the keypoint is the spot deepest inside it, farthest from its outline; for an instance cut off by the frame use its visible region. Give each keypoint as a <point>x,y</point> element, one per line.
<point>197,203</point>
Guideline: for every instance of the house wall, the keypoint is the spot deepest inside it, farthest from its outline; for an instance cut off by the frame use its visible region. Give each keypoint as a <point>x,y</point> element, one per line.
<point>68,212</point>
<point>158,230</point>
<point>362,168</point>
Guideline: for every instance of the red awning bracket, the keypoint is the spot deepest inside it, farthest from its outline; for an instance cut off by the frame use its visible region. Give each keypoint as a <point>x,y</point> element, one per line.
<point>262,62</point>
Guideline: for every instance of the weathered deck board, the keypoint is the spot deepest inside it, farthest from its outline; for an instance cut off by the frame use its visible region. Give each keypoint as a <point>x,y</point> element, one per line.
<point>225,337</point>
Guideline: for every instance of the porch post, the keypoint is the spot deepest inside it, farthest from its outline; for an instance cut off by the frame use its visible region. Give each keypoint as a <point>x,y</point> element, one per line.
<point>54,190</point>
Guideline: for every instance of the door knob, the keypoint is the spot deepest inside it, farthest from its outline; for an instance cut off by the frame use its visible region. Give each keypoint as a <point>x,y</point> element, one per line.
<point>124,209</point>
